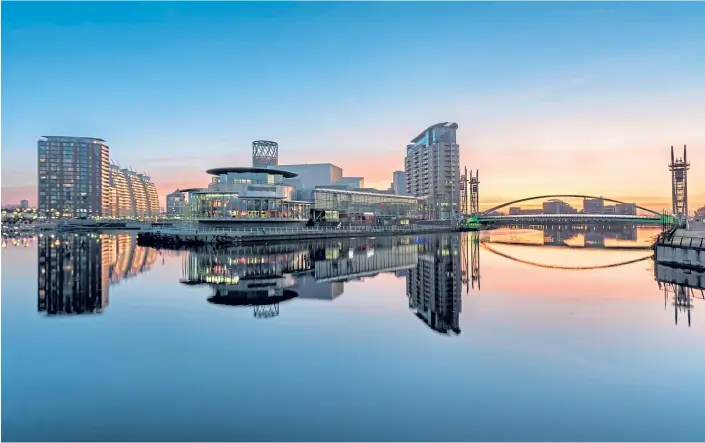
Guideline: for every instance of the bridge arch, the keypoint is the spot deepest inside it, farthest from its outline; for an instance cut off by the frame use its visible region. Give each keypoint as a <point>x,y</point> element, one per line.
<point>503,205</point>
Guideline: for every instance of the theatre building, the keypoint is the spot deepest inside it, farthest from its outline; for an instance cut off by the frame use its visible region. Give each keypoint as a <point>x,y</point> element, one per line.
<point>247,197</point>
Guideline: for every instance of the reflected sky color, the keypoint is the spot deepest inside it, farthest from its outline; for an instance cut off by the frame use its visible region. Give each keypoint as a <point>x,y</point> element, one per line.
<point>548,96</point>
<point>561,355</point>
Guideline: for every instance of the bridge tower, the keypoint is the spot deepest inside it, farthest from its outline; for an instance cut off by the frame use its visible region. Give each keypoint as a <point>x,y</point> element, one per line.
<point>474,192</point>
<point>464,192</point>
<point>679,184</point>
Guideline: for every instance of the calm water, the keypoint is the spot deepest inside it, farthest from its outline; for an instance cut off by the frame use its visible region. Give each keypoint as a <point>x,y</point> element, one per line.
<point>510,335</point>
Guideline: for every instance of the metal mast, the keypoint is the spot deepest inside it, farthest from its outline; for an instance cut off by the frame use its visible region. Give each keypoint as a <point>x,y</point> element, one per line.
<point>679,183</point>
<point>464,192</point>
<point>475,192</point>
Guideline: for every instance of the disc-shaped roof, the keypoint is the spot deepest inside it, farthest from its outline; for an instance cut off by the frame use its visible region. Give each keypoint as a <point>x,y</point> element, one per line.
<point>219,171</point>
<point>240,298</point>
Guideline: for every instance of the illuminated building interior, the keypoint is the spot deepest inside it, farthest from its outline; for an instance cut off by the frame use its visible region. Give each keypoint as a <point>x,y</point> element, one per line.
<point>237,194</point>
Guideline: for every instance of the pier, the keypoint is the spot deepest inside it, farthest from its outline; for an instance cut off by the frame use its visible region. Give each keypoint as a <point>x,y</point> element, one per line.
<point>184,236</point>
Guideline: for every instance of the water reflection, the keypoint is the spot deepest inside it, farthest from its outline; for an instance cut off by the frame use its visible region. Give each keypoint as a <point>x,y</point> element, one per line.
<point>574,236</point>
<point>434,284</point>
<point>264,276</point>
<point>681,287</point>
<point>539,241</point>
<point>554,352</point>
<point>74,272</point>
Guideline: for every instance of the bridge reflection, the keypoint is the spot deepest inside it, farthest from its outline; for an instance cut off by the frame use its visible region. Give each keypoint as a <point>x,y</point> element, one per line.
<point>75,271</point>
<point>680,287</point>
<point>573,237</point>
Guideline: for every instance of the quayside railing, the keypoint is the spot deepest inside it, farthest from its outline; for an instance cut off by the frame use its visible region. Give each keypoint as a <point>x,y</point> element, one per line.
<point>292,230</point>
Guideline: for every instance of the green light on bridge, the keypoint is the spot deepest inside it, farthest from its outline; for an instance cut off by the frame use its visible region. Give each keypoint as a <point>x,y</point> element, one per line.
<point>668,219</point>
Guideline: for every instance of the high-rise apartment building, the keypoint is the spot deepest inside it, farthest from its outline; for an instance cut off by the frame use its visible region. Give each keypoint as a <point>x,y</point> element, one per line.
<point>399,182</point>
<point>432,167</point>
<point>73,177</point>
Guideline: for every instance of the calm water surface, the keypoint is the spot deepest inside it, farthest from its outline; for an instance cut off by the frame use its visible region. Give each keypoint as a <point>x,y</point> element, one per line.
<point>510,335</point>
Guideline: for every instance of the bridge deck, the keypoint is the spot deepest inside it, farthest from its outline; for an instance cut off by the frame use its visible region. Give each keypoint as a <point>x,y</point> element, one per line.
<point>568,216</point>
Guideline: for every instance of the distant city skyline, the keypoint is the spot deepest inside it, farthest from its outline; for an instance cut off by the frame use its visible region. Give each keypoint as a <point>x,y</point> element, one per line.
<point>549,97</point>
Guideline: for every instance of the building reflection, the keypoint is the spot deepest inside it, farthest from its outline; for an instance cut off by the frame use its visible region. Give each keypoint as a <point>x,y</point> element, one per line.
<point>75,271</point>
<point>266,275</point>
<point>434,284</point>
<point>127,259</point>
<point>592,236</point>
<point>258,276</point>
<point>263,276</point>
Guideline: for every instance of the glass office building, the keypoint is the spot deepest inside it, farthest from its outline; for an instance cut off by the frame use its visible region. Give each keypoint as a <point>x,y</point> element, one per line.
<point>379,204</point>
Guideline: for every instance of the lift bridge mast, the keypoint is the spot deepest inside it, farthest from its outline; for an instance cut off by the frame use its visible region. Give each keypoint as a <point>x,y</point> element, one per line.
<point>469,192</point>
<point>679,184</point>
<point>475,192</point>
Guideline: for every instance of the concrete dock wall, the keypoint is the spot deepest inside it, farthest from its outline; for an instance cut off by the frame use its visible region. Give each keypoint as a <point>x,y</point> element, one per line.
<point>682,248</point>
<point>692,279</point>
<point>227,237</point>
<point>680,256</point>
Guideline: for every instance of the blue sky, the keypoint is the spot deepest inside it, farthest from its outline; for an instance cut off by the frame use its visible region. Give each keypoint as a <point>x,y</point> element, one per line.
<point>176,88</point>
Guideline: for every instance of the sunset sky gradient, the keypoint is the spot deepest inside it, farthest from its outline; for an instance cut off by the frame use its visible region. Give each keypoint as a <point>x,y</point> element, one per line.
<point>549,97</point>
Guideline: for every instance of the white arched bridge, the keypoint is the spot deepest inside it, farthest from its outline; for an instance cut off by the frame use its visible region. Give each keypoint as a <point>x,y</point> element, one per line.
<point>489,216</point>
